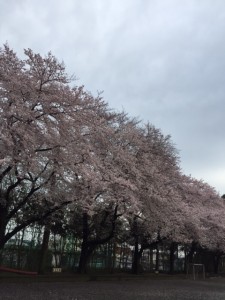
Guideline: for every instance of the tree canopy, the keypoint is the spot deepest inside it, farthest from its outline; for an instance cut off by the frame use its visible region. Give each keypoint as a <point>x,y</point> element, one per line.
<point>61,149</point>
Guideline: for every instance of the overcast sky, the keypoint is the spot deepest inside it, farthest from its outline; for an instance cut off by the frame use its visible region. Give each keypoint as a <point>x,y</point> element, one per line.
<point>160,60</point>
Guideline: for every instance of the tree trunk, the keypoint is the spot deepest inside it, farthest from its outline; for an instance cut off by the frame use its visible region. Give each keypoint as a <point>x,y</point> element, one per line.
<point>216,262</point>
<point>189,256</point>
<point>2,238</point>
<point>2,243</point>
<point>172,257</point>
<point>135,264</point>
<point>82,268</point>
<point>19,253</point>
<point>44,250</point>
<point>157,259</point>
<point>86,252</point>
<point>2,226</point>
<point>84,255</point>
<point>151,259</point>
<point>109,257</point>
<point>89,245</point>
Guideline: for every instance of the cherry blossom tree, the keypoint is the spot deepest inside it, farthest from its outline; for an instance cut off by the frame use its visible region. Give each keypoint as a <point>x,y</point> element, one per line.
<point>111,185</point>
<point>204,216</point>
<point>45,130</point>
<point>158,163</point>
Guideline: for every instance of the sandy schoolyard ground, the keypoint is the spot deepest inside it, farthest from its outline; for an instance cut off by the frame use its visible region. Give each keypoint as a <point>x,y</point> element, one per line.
<point>114,289</point>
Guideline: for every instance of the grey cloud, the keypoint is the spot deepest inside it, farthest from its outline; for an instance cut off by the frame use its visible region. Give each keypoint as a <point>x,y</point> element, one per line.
<point>163,61</point>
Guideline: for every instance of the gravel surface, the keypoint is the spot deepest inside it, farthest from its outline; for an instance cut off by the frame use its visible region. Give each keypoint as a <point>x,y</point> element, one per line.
<point>131,289</point>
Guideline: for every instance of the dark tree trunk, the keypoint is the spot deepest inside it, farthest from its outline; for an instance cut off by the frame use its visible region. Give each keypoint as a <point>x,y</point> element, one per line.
<point>151,259</point>
<point>114,258</point>
<point>157,259</point>
<point>83,259</point>
<point>44,250</point>
<point>189,256</point>
<point>173,248</point>
<point>3,224</point>
<point>2,240</point>
<point>89,245</point>
<point>135,264</point>
<point>19,253</point>
<point>110,257</point>
<point>85,251</point>
<point>216,262</point>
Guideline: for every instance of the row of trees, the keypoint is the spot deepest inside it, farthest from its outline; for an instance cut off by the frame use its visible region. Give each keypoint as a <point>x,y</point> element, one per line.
<point>69,162</point>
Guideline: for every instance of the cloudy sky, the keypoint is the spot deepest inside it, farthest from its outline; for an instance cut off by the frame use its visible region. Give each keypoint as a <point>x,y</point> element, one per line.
<point>160,60</point>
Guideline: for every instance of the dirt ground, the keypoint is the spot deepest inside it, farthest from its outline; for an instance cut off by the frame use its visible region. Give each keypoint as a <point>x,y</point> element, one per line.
<point>113,289</point>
